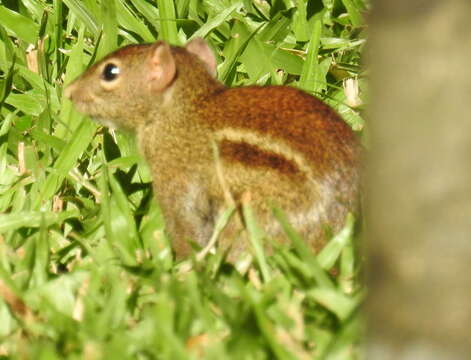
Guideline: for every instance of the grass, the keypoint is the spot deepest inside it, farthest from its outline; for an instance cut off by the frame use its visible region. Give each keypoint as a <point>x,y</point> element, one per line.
<point>85,270</point>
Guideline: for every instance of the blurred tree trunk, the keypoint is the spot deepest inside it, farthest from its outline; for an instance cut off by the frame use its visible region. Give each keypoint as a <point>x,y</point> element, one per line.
<point>419,180</point>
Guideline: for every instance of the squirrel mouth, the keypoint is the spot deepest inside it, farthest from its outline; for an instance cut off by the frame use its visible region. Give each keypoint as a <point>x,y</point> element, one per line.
<point>87,108</point>
<point>90,105</point>
<point>93,110</point>
<point>84,102</point>
<point>87,105</point>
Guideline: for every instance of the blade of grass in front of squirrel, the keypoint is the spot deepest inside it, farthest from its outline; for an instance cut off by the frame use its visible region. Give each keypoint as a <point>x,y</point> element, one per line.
<point>348,267</point>
<point>266,325</point>
<point>114,222</point>
<point>339,347</point>
<point>221,223</point>
<point>256,237</point>
<point>304,251</point>
<point>66,160</point>
<point>328,256</point>
<point>333,299</point>
<point>124,211</point>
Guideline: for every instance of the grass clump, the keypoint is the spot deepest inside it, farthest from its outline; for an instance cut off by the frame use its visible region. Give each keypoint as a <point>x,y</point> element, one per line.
<point>85,270</point>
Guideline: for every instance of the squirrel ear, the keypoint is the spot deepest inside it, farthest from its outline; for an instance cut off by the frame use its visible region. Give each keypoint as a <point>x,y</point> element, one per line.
<point>162,67</point>
<point>200,48</point>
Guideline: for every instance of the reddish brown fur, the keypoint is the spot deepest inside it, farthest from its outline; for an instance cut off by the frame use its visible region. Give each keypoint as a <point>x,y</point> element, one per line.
<point>250,155</point>
<point>303,121</point>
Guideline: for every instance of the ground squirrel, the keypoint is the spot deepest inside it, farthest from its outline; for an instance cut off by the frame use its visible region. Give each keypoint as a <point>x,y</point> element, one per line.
<point>279,144</point>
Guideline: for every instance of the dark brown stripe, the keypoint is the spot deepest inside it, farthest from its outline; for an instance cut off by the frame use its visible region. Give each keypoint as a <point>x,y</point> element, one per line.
<point>253,156</point>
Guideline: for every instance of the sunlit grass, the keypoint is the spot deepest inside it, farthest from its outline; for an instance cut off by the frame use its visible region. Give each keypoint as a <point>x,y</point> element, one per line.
<point>85,271</point>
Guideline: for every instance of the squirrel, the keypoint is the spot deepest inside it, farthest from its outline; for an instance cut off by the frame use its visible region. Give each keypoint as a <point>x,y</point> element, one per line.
<point>277,143</point>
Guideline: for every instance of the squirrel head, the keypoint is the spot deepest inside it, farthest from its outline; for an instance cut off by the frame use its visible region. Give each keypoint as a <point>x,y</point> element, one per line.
<point>121,89</point>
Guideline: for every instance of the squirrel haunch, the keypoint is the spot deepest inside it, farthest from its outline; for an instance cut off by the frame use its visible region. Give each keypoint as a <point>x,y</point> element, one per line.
<point>281,145</point>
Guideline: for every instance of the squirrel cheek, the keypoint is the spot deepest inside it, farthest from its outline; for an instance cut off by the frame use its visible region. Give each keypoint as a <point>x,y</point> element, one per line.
<point>109,85</point>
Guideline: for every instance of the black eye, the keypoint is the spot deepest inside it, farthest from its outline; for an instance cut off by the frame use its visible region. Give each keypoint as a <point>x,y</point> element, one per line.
<point>110,72</point>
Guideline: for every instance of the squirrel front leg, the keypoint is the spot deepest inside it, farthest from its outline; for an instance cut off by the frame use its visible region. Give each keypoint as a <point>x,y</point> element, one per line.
<point>189,214</point>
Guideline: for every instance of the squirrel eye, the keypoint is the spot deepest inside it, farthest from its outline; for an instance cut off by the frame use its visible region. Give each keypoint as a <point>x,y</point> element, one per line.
<point>110,72</point>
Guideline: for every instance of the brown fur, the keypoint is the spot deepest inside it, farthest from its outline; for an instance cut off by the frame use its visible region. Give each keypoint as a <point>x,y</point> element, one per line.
<point>280,144</point>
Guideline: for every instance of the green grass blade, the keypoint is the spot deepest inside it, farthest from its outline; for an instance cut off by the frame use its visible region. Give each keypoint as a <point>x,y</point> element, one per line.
<point>331,252</point>
<point>341,305</point>
<point>19,25</point>
<point>148,10</point>
<point>304,251</point>
<point>14,221</point>
<point>30,104</point>
<point>110,28</point>
<point>66,160</point>
<point>233,52</point>
<point>300,25</point>
<point>310,68</point>
<point>204,30</point>
<point>127,19</point>
<point>353,11</point>
<point>79,9</point>
<point>7,84</point>
<point>168,25</point>
<point>8,52</point>
<point>256,239</point>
